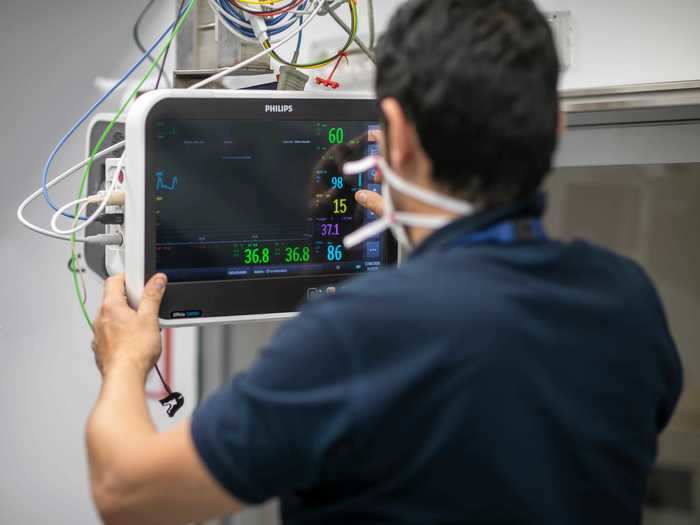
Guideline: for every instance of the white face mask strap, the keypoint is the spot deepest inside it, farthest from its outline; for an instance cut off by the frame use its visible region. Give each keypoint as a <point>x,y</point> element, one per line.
<point>432,222</point>
<point>365,233</point>
<point>431,198</point>
<point>397,229</point>
<point>396,220</point>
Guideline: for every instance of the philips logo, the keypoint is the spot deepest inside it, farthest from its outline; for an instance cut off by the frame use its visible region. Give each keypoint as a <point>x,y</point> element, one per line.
<point>279,109</point>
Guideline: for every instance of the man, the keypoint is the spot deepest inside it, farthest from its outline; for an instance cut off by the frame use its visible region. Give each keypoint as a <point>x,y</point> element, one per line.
<point>498,376</point>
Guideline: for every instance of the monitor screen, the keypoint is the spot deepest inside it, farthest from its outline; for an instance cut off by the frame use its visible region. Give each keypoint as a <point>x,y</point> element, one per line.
<point>259,199</point>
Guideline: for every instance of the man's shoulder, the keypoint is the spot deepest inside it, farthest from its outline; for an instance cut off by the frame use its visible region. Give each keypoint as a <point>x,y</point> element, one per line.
<point>626,269</point>
<point>420,277</point>
<point>421,287</point>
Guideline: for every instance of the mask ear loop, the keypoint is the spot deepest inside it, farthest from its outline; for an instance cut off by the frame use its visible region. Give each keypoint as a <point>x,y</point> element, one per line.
<point>431,198</point>
<point>398,230</point>
<point>365,233</point>
<point>397,221</point>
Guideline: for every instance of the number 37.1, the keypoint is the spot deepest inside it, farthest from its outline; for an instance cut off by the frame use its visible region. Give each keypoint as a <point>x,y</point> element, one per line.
<point>330,230</point>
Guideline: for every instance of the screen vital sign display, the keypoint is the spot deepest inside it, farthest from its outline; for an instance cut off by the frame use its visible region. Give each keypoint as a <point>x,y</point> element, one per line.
<point>255,199</point>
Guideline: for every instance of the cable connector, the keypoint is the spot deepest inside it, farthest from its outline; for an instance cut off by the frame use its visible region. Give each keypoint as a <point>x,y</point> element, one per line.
<point>259,27</point>
<point>117,198</point>
<point>173,402</point>
<point>291,79</point>
<point>105,239</point>
<point>329,82</point>
<point>111,218</point>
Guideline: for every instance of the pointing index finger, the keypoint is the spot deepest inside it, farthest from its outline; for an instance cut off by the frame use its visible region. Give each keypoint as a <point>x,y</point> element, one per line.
<point>371,200</point>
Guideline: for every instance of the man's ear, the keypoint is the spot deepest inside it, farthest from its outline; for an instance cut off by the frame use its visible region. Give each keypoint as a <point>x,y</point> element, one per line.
<point>401,143</point>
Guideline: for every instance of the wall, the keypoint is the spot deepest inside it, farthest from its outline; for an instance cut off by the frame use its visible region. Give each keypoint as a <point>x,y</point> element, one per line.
<point>49,56</point>
<point>613,43</point>
<point>631,41</point>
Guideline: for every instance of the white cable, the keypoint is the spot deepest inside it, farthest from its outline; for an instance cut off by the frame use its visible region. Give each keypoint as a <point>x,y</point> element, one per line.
<point>83,202</point>
<point>53,182</point>
<point>223,73</point>
<point>87,200</point>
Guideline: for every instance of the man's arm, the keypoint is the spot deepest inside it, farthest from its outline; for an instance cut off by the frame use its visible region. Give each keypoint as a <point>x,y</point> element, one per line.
<point>139,475</point>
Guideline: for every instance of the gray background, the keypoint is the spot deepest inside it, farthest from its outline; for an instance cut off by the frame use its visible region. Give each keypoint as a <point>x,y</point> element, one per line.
<point>50,53</point>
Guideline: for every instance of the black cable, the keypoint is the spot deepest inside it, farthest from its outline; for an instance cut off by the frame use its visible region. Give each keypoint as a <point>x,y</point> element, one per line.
<point>162,380</point>
<point>137,38</point>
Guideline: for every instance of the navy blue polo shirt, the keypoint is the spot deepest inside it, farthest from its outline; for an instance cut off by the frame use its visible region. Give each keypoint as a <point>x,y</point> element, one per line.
<point>488,382</point>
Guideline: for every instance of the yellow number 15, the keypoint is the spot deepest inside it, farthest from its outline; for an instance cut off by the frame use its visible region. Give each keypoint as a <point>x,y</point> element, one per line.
<point>340,206</point>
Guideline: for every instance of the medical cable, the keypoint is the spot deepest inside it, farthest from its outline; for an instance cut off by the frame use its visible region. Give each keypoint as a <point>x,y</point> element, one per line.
<point>181,18</point>
<point>204,82</point>
<point>53,182</point>
<point>104,201</point>
<point>174,401</point>
<point>223,73</point>
<point>107,198</point>
<point>93,108</point>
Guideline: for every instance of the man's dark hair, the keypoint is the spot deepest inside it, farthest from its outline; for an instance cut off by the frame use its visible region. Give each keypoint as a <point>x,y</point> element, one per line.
<point>478,79</point>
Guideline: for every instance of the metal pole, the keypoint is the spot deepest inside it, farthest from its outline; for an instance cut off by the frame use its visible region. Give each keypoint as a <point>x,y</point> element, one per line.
<point>366,50</point>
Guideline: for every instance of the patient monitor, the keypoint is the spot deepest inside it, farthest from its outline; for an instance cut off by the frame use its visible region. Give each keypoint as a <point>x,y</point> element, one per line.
<point>240,198</point>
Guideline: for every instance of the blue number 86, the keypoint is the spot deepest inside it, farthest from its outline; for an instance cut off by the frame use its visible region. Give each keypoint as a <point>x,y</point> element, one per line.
<point>335,253</point>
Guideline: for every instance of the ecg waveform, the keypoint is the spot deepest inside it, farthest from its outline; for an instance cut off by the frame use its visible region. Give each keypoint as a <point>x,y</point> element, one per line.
<point>162,185</point>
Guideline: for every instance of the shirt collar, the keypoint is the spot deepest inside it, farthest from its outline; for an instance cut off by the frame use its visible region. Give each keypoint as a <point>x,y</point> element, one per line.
<point>532,206</point>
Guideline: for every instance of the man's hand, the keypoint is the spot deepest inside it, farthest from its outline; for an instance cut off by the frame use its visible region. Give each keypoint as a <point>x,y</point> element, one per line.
<point>371,200</point>
<point>128,337</point>
<point>137,474</point>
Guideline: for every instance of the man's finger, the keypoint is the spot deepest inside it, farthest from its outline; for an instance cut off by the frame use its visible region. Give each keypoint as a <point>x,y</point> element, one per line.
<point>115,290</point>
<point>371,200</point>
<point>153,294</point>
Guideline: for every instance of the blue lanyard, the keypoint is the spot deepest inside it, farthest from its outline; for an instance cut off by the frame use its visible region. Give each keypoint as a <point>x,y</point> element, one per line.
<point>508,232</point>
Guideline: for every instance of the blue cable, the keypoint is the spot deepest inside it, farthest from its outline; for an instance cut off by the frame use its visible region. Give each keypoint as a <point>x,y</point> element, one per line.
<point>268,21</point>
<point>47,166</point>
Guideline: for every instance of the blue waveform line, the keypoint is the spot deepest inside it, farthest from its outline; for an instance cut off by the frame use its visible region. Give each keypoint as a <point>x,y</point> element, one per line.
<point>161,185</point>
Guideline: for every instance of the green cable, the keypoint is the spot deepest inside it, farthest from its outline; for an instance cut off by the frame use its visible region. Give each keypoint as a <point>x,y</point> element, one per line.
<point>86,172</point>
